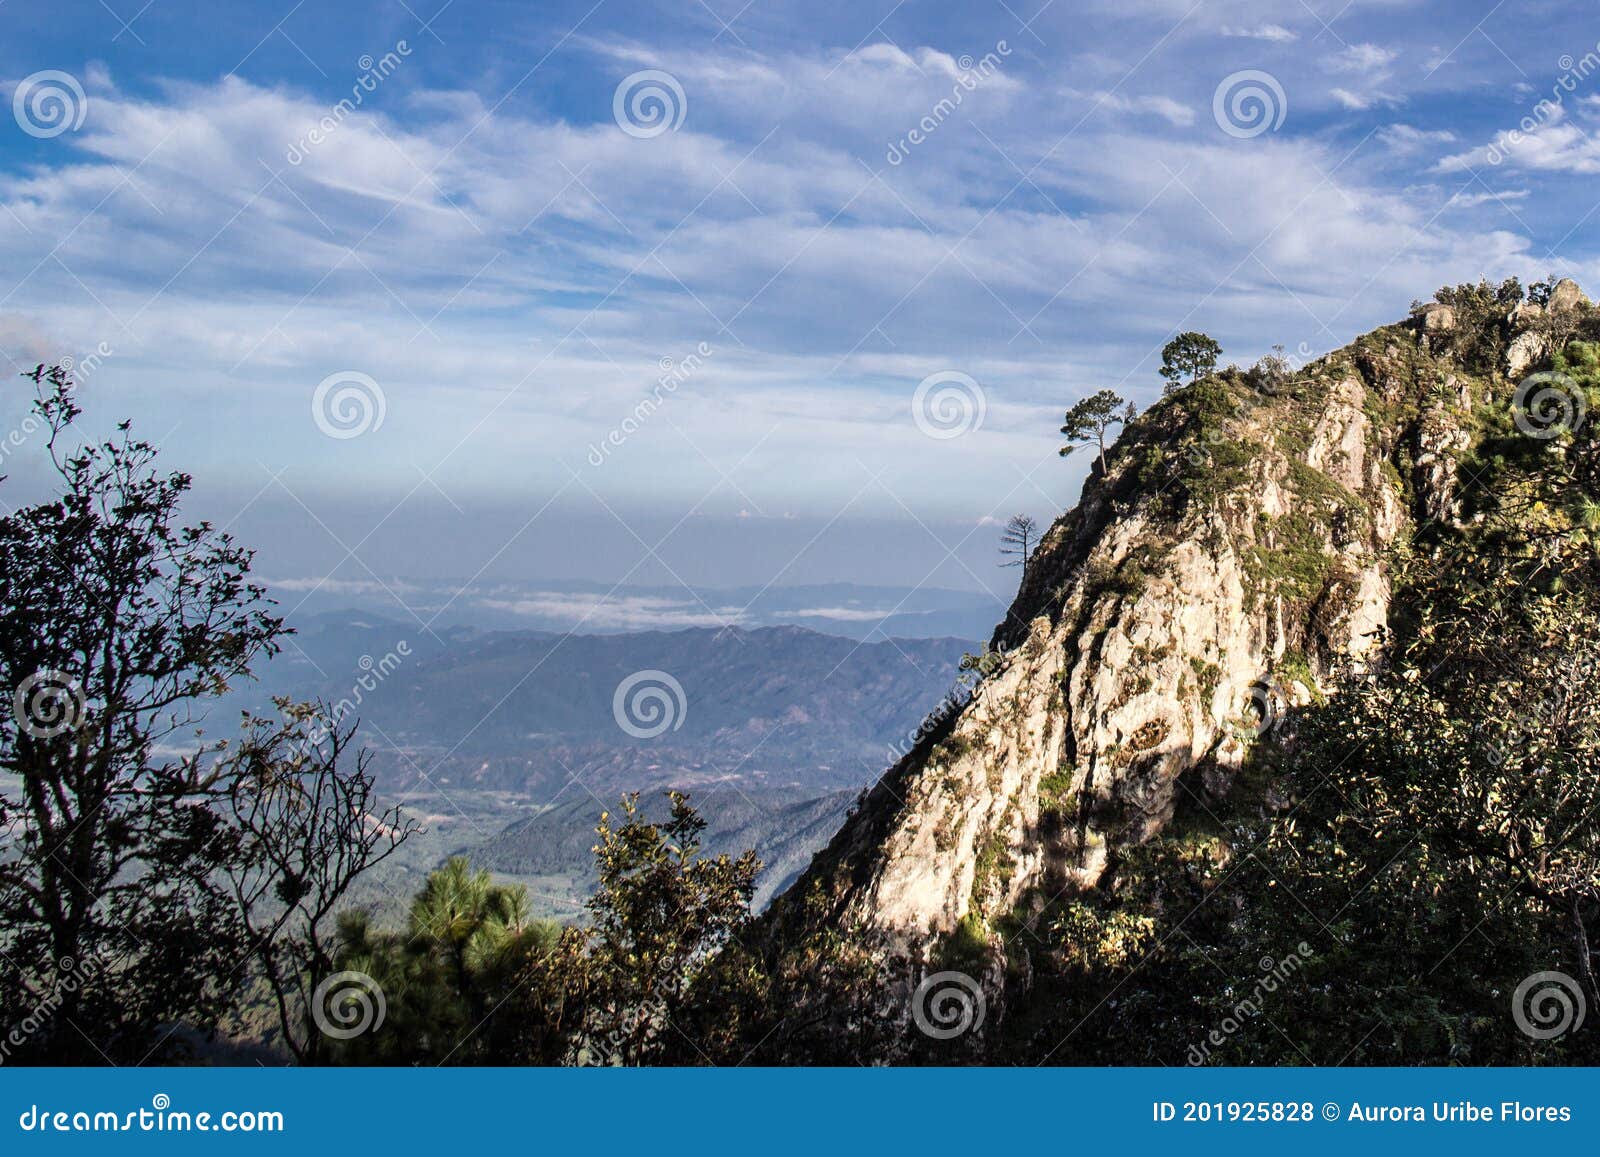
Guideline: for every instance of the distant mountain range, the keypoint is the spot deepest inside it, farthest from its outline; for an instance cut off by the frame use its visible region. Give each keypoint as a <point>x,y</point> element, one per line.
<point>510,743</point>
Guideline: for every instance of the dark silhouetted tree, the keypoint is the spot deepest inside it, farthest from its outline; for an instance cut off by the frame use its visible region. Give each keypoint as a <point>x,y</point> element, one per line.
<point>305,829</point>
<point>1017,541</point>
<point>118,627</point>
<point>1088,422</point>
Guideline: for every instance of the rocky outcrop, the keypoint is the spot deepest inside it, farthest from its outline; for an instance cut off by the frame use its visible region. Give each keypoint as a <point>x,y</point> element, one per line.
<point>1566,294</point>
<point>1537,330</point>
<point>1231,554</point>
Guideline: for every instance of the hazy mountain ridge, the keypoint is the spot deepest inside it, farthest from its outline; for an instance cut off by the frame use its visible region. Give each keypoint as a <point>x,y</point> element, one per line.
<point>509,746</point>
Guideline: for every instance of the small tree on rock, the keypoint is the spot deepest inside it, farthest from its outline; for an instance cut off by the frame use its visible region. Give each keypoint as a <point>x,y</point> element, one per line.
<point>1187,358</point>
<point>1088,422</point>
<point>1017,541</point>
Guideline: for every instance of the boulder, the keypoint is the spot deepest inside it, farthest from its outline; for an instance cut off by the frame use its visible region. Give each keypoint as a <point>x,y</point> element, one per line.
<point>1524,315</point>
<point>1526,350</point>
<point>1437,318</point>
<point>1566,294</point>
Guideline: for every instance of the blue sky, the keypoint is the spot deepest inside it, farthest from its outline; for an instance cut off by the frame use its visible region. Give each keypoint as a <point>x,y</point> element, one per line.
<point>510,264</point>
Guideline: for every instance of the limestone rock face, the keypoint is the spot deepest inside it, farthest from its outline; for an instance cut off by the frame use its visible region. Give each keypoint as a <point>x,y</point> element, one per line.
<point>1566,294</point>
<point>1437,318</point>
<point>1149,637</point>
<point>1526,350</point>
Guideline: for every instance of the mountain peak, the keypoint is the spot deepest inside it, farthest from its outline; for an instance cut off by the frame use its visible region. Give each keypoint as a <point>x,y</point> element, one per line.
<point>1234,552</point>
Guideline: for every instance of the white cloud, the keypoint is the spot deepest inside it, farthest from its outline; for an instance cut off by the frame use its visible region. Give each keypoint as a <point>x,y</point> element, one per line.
<point>617,612</point>
<point>1169,110</point>
<point>1471,200</point>
<point>1407,139</point>
<point>1361,101</point>
<point>512,280</point>
<point>1545,140</point>
<point>1360,58</point>
<point>1273,33</point>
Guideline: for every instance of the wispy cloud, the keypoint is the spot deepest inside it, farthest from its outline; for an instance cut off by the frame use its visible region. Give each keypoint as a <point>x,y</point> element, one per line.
<point>514,271</point>
<point>1360,58</point>
<point>1169,110</point>
<point>1361,101</point>
<point>1273,33</point>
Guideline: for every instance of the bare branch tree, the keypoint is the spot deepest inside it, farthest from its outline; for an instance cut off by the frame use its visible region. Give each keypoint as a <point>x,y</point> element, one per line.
<point>1017,541</point>
<point>305,830</point>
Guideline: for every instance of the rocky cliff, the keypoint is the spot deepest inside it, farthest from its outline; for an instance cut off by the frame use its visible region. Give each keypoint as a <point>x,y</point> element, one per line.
<point>1235,549</point>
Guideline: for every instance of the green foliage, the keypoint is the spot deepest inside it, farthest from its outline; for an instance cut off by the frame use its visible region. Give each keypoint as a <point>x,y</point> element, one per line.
<point>466,942</point>
<point>1481,331</point>
<point>1088,422</point>
<point>1187,358</point>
